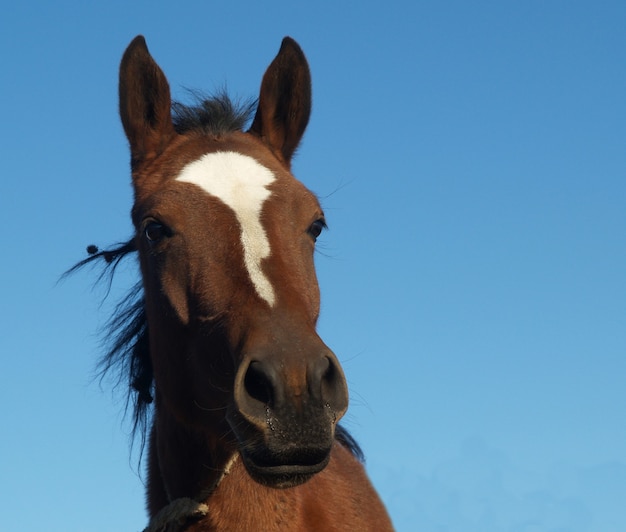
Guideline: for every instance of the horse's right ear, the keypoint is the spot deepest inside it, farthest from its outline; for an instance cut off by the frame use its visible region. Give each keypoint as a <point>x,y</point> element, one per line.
<point>145,103</point>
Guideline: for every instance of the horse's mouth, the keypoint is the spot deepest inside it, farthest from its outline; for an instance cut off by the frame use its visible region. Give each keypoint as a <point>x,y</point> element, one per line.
<point>274,474</point>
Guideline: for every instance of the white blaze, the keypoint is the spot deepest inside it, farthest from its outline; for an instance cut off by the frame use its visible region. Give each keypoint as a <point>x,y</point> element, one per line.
<point>241,183</point>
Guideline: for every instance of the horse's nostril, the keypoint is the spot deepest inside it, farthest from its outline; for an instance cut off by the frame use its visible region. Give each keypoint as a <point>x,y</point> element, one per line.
<point>296,390</point>
<point>319,373</point>
<point>258,383</point>
<point>333,387</point>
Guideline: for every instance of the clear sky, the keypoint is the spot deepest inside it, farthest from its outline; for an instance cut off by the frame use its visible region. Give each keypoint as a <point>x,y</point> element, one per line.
<point>471,159</point>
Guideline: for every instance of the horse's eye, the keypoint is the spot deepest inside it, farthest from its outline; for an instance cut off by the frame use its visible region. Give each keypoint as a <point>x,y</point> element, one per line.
<point>316,228</point>
<point>155,231</point>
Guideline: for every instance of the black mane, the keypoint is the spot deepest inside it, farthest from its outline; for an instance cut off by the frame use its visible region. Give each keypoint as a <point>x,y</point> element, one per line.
<point>212,116</point>
<point>126,333</point>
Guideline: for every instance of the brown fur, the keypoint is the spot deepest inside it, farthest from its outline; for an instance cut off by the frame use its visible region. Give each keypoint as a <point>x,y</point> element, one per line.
<point>339,498</point>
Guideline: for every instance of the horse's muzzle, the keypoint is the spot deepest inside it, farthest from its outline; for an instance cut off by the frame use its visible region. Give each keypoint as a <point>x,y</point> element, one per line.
<point>285,412</point>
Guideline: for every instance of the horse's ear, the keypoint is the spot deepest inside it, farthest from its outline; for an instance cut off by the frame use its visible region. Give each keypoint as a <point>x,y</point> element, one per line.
<point>284,102</point>
<point>145,103</point>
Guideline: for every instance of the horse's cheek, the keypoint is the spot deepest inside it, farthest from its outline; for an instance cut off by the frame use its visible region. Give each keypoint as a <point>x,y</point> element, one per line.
<point>176,293</point>
<point>165,279</point>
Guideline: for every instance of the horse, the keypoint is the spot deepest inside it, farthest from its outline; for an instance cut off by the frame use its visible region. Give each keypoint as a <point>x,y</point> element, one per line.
<point>235,394</point>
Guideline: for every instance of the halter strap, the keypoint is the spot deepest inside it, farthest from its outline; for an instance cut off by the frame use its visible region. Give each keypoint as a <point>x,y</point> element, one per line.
<point>180,513</point>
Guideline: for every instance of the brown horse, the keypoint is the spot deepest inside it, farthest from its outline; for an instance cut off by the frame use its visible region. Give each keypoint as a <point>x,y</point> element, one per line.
<point>243,431</point>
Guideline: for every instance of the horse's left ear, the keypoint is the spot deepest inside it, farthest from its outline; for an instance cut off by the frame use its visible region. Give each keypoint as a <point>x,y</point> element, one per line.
<point>284,102</point>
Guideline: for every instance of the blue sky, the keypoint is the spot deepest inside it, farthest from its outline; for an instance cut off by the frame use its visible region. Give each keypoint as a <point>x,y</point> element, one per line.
<point>471,160</point>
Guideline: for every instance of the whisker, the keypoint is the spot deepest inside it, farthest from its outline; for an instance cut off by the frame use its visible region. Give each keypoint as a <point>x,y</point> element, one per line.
<point>205,409</point>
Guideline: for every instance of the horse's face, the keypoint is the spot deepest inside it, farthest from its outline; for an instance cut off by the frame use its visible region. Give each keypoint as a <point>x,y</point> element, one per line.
<point>226,238</point>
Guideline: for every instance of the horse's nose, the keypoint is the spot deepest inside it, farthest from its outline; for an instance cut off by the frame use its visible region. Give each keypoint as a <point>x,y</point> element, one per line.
<point>299,387</point>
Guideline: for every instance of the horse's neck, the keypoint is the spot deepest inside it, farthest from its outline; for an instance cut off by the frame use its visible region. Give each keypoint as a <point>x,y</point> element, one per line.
<point>182,463</point>
<point>226,499</point>
<point>339,498</point>
<point>239,504</point>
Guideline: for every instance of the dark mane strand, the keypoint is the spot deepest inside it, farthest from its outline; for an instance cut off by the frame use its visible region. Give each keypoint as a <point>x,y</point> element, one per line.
<point>111,257</point>
<point>214,115</point>
<point>126,339</point>
<point>346,439</point>
<point>128,357</point>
